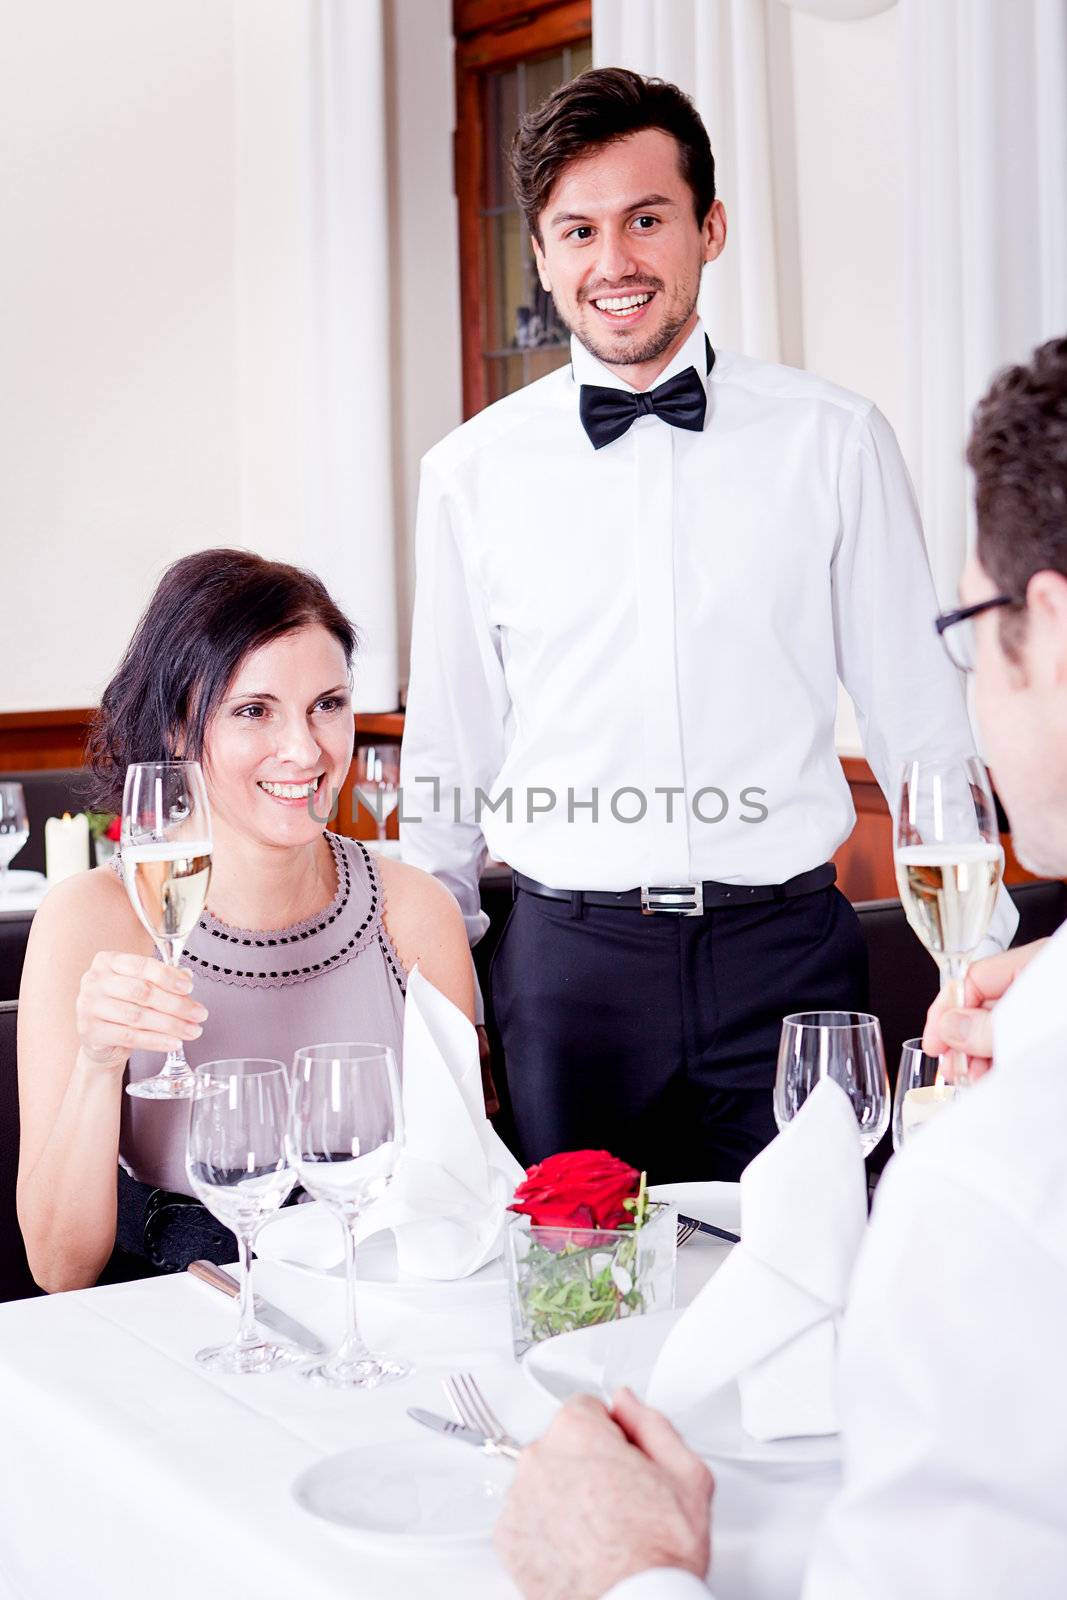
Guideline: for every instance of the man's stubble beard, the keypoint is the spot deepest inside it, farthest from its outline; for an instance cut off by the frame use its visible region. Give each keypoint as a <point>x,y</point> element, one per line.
<point>635,355</point>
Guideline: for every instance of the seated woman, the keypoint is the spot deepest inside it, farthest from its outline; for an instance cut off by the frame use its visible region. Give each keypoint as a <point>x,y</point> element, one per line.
<point>242,664</point>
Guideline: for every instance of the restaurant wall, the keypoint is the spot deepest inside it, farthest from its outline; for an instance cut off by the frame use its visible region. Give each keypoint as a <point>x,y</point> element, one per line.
<point>428,393</point>
<point>118,438</point>
<point>136,424</point>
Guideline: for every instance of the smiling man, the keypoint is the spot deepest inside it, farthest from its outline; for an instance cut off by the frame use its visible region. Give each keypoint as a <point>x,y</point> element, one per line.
<point>639,581</point>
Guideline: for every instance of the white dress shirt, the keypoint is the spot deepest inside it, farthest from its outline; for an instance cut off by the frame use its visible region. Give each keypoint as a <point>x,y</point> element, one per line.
<point>954,1351</point>
<point>670,613</point>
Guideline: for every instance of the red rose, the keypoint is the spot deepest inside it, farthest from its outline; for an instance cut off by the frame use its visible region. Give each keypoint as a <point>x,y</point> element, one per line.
<point>577,1189</point>
<point>114,829</point>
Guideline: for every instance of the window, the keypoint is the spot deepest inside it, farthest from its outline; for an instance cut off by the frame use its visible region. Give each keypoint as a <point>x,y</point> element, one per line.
<point>509,56</point>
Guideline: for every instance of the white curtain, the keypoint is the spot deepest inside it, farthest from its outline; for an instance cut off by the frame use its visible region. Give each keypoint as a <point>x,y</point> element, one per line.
<point>985,235</point>
<point>313,308</point>
<point>717,51</point>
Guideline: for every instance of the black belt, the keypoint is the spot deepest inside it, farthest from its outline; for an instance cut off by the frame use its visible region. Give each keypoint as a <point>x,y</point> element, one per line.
<point>686,899</point>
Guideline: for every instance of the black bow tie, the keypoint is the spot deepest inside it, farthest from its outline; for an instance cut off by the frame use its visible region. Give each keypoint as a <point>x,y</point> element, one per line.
<point>682,401</point>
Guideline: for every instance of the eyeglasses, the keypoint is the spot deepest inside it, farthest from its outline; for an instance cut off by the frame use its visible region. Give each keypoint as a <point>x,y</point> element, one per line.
<point>960,644</point>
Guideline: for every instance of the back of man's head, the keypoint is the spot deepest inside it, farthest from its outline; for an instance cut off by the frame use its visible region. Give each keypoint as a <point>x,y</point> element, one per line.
<point>1018,450</point>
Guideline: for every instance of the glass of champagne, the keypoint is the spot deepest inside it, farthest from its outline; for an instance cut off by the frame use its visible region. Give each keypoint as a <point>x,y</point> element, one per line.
<point>843,1045</point>
<point>237,1166</point>
<point>166,862</point>
<point>949,864</point>
<point>377,782</point>
<point>346,1128</point>
<point>14,828</point>
<point>921,1092</point>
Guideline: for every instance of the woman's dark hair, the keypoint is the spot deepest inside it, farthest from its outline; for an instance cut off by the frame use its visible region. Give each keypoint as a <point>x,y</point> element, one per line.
<point>597,108</point>
<point>1018,450</point>
<point>209,611</point>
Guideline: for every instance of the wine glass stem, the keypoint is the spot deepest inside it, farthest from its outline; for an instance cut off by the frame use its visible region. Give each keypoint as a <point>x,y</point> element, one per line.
<point>352,1347</point>
<point>247,1331</point>
<point>175,1066</point>
<point>957,996</point>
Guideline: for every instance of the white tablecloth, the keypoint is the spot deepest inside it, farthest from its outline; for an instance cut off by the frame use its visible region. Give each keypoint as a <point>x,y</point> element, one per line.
<point>127,1473</point>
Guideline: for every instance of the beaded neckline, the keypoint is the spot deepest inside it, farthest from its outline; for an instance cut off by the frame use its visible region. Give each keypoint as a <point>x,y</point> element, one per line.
<point>261,938</point>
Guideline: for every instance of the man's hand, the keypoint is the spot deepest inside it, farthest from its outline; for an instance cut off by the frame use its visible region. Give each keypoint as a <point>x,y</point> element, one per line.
<point>602,1496</point>
<point>485,1056</point>
<point>971,1028</point>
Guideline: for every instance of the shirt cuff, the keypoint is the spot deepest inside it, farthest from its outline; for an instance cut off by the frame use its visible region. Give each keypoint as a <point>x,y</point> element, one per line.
<point>660,1583</point>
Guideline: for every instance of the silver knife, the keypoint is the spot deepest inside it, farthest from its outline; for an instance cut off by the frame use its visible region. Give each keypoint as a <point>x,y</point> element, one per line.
<point>271,1317</point>
<point>456,1430</point>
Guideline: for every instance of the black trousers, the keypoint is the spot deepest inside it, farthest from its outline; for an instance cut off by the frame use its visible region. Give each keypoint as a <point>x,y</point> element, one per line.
<point>656,1038</point>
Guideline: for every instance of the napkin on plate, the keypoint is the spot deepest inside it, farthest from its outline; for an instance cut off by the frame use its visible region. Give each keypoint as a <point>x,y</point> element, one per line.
<point>455,1177</point>
<point>769,1317</point>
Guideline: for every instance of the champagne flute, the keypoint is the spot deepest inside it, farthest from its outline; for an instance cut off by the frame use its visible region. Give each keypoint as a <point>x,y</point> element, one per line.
<point>949,864</point>
<point>237,1166</point>
<point>843,1045</point>
<point>14,827</point>
<point>346,1127</point>
<point>920,1092</point>
<point>377,781</point>
<point>166,862</point>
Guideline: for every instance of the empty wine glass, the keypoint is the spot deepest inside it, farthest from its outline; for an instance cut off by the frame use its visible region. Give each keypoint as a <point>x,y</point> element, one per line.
<point>237,1166</point>
<point>949,863</point>
<point>920,1092</point>
<point>345,1131</point>
<point>166,862</point>
<point>377,782</point>
<point>843,1045</point>
<point>14,828</point>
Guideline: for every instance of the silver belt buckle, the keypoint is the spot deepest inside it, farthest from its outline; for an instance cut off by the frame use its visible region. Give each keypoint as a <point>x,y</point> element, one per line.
<point>677,900</point>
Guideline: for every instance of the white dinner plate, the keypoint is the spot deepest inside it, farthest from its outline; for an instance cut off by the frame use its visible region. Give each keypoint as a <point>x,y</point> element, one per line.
<point>600,1360</point>
<point>424,1491</point>
<point>718,1203</point>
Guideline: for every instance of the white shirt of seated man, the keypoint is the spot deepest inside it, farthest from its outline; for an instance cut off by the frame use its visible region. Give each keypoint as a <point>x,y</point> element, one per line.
<point>954,1396</point>
<point>952,1383</point>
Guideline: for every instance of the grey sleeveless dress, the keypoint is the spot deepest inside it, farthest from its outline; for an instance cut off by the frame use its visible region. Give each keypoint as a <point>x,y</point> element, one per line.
<point>334,977</point>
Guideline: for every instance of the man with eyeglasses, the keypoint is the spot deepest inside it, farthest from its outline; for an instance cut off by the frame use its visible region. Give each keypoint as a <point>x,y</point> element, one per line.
<point>952,1385</point>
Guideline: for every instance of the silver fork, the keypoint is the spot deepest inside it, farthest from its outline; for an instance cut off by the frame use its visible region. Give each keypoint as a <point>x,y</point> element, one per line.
<point>686,1231</point>
<point>473,1410</point>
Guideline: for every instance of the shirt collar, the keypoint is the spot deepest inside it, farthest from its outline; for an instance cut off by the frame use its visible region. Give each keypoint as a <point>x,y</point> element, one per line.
<point>587,369</point>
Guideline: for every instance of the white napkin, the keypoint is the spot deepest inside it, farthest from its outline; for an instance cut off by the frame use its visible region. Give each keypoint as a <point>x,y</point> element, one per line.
<point>447,1202</point>
<point>769,1317</point>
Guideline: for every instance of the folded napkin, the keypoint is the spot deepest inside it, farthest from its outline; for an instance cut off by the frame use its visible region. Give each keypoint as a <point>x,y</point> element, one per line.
<point>769,1317</point>
<point>455,1177</point>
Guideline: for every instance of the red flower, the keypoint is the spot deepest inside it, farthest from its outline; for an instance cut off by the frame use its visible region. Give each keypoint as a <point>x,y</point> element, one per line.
<point>577,1189</point>
<point>114,829</point>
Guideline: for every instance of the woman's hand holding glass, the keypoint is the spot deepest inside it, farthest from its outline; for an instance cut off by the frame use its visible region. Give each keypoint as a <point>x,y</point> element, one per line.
<point>127,1002</point>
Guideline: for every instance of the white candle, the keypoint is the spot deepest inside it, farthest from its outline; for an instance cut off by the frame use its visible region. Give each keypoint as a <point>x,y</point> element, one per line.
<point>66,846</point>
<point>922,1104</point>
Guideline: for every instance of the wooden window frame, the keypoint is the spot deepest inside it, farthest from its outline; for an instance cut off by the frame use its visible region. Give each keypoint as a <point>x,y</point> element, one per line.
<point>492,34</point>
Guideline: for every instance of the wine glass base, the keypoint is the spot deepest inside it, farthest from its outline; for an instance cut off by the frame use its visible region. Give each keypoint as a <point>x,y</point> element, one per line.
<point>160,1088</point>
<point>365,1372</point>
<point>264,1356</point>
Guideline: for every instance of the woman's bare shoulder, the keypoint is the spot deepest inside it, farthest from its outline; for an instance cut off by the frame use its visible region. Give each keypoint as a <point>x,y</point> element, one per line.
<point>414,892</point>
<point>89,908</point>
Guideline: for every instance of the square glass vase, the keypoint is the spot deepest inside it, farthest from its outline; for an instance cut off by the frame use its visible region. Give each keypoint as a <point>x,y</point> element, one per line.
<point>562,1279</point>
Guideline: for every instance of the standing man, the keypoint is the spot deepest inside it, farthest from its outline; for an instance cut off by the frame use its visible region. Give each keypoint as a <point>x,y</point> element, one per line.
<point>639,580</point>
